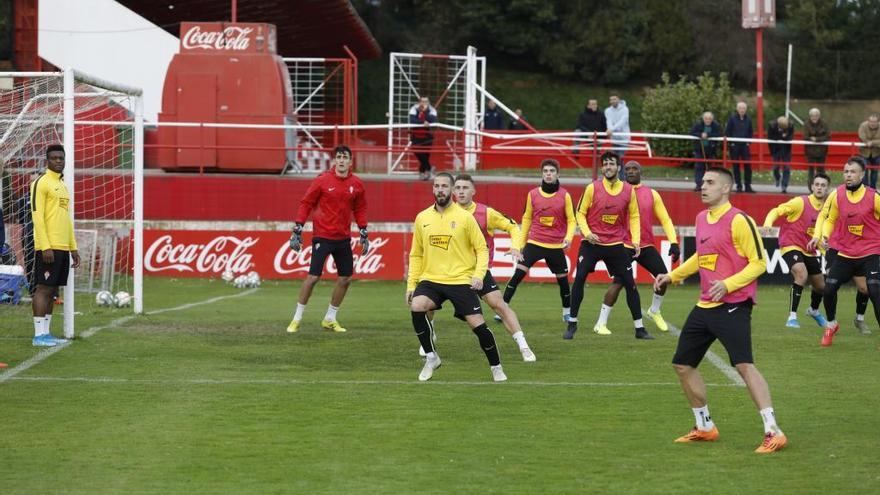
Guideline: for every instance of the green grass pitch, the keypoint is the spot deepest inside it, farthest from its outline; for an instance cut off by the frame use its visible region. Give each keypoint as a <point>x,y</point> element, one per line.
<point>217,398</point>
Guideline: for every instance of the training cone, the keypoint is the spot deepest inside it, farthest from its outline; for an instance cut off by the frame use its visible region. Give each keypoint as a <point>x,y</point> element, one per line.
<point>3,365</point>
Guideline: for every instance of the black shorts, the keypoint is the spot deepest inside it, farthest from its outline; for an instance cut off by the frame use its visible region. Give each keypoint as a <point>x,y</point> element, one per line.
<point>54,274</point>
<point>340,249</point>
<point>489,284</point>
<point>814,267</point>
<point>649,259</point>
<point>465,300</point>
<point>555,258</point>
<point>617,258</point>
<point>844,269</point>
<point>729,323</point>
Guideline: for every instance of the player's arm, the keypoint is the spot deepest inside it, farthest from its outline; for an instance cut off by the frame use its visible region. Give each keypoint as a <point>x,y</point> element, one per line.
<point>664,218</point>
<point>499,221</point>
<point>360,208</point>
<point>479,243</point>
<point>635,228</point>
<point>309,201</point>
<point>416,257</point>
<point>584,206</point>
<point>38,215</point>
<point>877,206</point>
<point>748,244</point>
<point>520,242</point>
<point>686,269</point>
<point>570,219</point>
<point>827,218</point>
<point>790,209</point>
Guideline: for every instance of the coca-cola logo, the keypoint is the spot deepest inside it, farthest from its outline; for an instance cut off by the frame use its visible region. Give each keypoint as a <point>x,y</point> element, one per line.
<point>231,38</point>
<point>215,256</point>
<point>288,261</point>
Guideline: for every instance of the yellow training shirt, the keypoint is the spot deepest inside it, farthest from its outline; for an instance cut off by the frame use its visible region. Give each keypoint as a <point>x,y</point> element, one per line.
<point>527,223</point>
<point>613,189</point>
<point>448,248</point>
<point>747,243</point>
<point>53,228</point>
<point>495,220</point>
<point>831,210</point>
<point>791,210</point>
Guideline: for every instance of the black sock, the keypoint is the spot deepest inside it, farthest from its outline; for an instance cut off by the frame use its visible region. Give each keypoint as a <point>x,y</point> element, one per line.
<point>815,299</point>
<point>874,293</point>
<point>487,343</point>
<point>564,291</point>
<point>861,303</point>
<point>423,330</point>
<point>829,299</point>
<point>633,300</point>
<point>510,290</point>
<point>795,296</point>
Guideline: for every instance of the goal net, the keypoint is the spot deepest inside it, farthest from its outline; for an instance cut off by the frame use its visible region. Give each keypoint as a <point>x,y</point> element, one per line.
<point>100,126</point>
<point>449,82</point>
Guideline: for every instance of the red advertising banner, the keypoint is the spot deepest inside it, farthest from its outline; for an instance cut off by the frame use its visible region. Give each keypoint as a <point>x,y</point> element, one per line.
<point>209,253</point>
<point>224,37</point>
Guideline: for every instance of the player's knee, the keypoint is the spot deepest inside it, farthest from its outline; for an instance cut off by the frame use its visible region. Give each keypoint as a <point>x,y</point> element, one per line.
<point>831,286</point>
<point>682,369</point>
<point>312,279</point>
<point>344,281</point>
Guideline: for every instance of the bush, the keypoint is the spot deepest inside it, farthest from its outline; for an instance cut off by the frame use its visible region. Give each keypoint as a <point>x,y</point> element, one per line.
<point>673,108</point>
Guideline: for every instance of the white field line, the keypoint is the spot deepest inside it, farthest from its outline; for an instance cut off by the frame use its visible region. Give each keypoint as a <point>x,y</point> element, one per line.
<point>223,381</point>
<point>45,353</point>
<point>716,360</point>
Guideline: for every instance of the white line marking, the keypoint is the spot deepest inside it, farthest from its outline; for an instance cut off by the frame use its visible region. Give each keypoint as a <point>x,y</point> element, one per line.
<point>232,381</point>
<point>715,359</point>
<point>45,353</point>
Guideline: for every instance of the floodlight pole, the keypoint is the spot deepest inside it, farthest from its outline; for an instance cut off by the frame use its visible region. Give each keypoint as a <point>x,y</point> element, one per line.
<point>759,57</point>
<point>234,11</point>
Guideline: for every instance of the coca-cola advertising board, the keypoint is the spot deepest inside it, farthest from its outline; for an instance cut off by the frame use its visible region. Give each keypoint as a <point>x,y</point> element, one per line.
<point>209,253</point>
<point>227,38</point>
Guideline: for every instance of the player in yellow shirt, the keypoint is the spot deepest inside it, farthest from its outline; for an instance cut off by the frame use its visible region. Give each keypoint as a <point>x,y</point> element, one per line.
<point>447,262</point>
<point>54,243</point>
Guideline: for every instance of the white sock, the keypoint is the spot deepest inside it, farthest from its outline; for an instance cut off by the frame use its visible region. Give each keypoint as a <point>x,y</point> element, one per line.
<point>769,418</point>
<point>860,317</point>
<point>656,301</point>
<point>300,309</point>
<point>792,315</point>
<point>573,318</point>
<point>38,325</point>
<point>520,340</point>
<point>432,355</point>
<point>604,313</point>
<point>811,311</point>
<point>638,323</point>
<point>331,313</point>
<point>47,324</point>
<point>566,311</point>
<point>704,421</point>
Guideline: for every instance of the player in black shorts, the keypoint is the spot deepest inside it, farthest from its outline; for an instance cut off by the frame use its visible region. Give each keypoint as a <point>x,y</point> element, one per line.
<point>447,262</point>
<point>862,298</point>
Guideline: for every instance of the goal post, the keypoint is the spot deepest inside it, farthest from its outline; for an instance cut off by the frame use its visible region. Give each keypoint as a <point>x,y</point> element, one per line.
<point>100,125</point>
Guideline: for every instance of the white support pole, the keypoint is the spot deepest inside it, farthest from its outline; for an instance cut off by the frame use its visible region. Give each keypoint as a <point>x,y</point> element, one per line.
<point>138,144</point>
<point>391,62</point>
<point>788,83</point>
<point>470,111</point>
<point>69,171</point>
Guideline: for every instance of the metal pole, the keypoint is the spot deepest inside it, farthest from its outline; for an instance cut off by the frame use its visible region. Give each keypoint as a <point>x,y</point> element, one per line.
<point>759,57</point>
<point>234,10</point>
<point>69,169</point>
<point>139,205</point>
<point>788,84</point>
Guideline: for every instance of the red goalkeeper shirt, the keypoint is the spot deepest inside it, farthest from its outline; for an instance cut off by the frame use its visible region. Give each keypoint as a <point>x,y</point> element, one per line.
<point>336,199</point>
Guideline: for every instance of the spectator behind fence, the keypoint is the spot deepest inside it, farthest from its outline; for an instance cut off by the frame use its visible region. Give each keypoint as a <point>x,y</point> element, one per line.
<point>869,133</point>
<point>704,148</point>
<point>739,125</point>
<point>493,119</point>
<point>815,130</point>
<point>518,124</point>
<point>617,122</point>
<point>421,137</point>
<point>590,120</point>
<point>781,130</point>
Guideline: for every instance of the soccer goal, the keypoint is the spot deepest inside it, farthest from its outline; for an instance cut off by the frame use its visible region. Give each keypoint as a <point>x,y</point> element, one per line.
<point>100,124</point>
<point>450,82</point>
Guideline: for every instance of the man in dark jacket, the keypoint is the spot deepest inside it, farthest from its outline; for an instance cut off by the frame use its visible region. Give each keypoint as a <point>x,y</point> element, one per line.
<point>590,120</point>
<point>518,124</point>
<point>781,130</point>
<point>739,125</point>
<point>816,130</point>
<point>704,148</point>
<point>493,119</point>
<point>421,137</point>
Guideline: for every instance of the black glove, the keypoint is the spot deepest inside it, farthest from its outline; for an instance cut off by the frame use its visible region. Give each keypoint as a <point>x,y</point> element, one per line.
<point>296,238</point>
<point>674,252</point>
<point>365,242</point>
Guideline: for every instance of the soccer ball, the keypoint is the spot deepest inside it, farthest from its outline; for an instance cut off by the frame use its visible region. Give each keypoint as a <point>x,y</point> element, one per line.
<point>239,282</point>
<point>253,279</point>
<point>228,276</point>
<point>104,298</point>
<point>123,299</point>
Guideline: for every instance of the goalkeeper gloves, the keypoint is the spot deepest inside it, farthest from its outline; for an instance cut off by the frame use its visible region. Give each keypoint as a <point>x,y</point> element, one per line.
<point>296,238</point>
<point>674,252</point>
<point>365,242</point>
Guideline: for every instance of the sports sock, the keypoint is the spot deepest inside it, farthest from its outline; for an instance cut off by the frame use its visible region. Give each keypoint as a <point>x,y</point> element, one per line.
<point>566,310</point>
<point>861,303</point>
<point>487,343</point>
<point>38,325</point>
<point>514,281</point>
<point>47,324</point>
<point>860,317</point>
<point>656,301</point>
<point>792,315</point>
<point>300,309</point>
<point>795,296</point>
<point>564,291</point>
<point>331,313</point>
<point>704,421</point>
<point>815,300</point>
<point>769,418</point>
<point>520,339</point>
<point>633,300</point>
<point>423,330</point>
<point>638,323</point>
<point>604,313</point>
